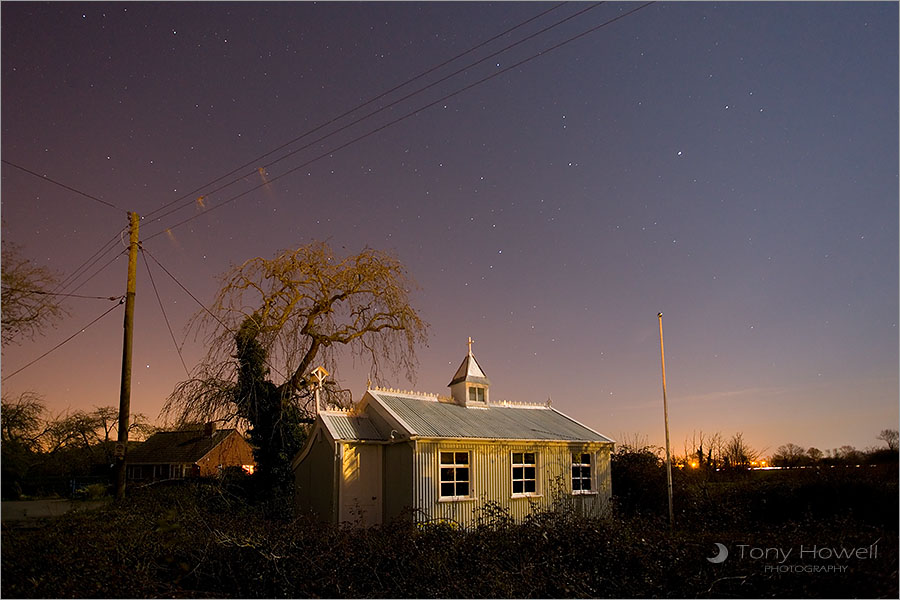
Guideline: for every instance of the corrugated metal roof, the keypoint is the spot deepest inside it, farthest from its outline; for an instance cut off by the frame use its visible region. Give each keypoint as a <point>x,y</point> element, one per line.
<point>427,417</point>
<point>172,447</point>
<point>348,427</point>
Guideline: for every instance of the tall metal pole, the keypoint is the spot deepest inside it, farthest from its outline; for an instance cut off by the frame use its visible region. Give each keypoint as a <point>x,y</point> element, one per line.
<point>662,354</point>
<point>127,343</point>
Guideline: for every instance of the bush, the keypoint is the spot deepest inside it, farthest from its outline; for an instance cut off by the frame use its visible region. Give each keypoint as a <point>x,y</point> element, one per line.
<point>638,480</point>
<point>93,491</point>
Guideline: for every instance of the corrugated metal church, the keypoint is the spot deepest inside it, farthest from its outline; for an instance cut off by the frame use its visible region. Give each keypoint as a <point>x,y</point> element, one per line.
<point>445,457</point>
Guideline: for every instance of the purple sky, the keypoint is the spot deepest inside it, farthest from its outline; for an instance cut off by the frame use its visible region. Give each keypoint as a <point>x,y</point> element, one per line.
<point>732,165</point>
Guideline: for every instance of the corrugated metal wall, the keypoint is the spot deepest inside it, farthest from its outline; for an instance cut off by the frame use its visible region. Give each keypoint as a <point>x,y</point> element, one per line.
<point>398,479</point>
<point>360,495</point>
<point>491,479</point>
<point>314,480</point>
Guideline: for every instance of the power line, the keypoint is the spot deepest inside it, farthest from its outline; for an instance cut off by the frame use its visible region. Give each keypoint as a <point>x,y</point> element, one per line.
<point>70,279</point>
<point>82,330</point>
<point>203,306</point>
<point>381,109</point>
<point>87,264</point>
<point>352,110</point>
<point>404,117</point>
<point>42,292</point>
<point>98,271</point>
<point>165,317</point>
<point>62,185</point>
<point>187,291</point>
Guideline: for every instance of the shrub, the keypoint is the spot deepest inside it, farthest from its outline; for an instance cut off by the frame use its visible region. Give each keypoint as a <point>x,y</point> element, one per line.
<point>93,491</point>
<point>638,480</point>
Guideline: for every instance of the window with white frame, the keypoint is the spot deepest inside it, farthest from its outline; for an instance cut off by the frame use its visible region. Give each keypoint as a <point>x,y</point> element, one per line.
<point>524,473</point>
<point>581,472</point>
<point>455,475</point>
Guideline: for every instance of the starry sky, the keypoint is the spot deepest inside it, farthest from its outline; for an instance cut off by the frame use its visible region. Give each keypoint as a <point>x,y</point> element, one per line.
<point>732,165</point>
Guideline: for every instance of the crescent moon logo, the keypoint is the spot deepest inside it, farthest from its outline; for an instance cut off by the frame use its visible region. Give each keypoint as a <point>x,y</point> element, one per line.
<point>721,556</point>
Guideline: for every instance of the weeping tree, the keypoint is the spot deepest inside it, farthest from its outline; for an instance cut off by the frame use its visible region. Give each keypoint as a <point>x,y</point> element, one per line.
<point>275,320</point>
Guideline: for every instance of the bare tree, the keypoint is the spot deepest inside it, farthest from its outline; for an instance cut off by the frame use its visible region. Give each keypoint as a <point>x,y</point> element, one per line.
<point>139,427</point>
<point>697,450</point>
<point>738,453</point>
<point>21,420</point>
<point>848,455</point>
<point>107,419</point>
<point>22,426</point>
<point>889,437</point>
<point>28,306</point>
<point>715,450</point>
<point>789,455</point>
<point>274,320</point>
<point>70,430</point>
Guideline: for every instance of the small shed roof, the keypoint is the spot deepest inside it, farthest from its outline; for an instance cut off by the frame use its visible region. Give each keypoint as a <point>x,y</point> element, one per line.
<point>177,447</point>
<point>426,416</point>
<point>351,427</point>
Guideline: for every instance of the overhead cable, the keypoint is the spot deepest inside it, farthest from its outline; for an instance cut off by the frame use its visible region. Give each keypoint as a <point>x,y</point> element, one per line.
<point>70,279</point>
<point>387,106</point>
<point>163,310</point>
<point>203,306</point>
<point>45,293</point>
<point>352,110</point>
<point>404,117</point>
<point>82,330</point>
<point>98,271</point>
<point>62,185</point>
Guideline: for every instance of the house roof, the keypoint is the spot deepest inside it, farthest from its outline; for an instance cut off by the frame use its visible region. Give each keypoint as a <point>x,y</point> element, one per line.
<point>350,427</point>
<point>426,416</point>
<point>173,447</point>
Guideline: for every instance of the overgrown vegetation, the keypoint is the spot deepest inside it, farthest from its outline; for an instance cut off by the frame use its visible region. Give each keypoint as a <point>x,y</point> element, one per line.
<point>205,540</point>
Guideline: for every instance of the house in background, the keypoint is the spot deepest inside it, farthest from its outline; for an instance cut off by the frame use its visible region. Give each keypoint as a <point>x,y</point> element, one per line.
<point>180,454</point>
<point>446,457</point>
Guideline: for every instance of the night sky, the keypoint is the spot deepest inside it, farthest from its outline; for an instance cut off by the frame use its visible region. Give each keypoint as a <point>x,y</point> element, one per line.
<point>732,165</point>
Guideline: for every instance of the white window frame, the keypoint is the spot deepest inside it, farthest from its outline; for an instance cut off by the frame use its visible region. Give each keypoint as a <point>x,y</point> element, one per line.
<point>455,466</point>
<point>478,391</point>
<point>580,464</point>
<point>523,464</point>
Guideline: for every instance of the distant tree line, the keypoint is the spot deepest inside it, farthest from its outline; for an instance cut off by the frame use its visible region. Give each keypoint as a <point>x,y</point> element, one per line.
<point>42,452</point>
<point>639,479</point>
<point>792,455</point>
<point>716,452</point>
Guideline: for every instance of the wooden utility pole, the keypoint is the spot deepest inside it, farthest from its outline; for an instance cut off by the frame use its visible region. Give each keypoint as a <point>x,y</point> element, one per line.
<point>662,353</point>
<point>127,343</point>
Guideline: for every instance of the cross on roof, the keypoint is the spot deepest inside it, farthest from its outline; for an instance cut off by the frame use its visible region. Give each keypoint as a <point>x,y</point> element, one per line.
<point>470,344</point>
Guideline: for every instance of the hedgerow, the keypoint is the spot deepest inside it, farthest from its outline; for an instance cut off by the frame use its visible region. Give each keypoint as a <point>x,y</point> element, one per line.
<point>195,540</point>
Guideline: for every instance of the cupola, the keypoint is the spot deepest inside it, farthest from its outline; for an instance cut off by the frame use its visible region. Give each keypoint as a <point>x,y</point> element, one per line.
<point>470,386</point>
